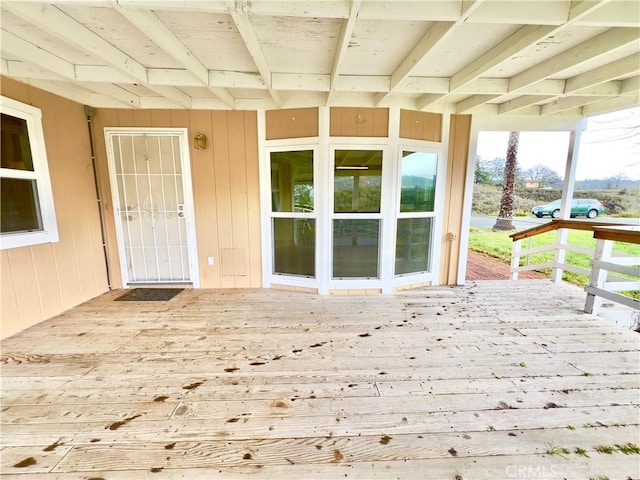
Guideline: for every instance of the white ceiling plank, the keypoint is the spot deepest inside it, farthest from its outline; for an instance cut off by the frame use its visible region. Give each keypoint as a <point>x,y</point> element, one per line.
<point>28,52</point>
<point>304,82</point>
<point>362,83</point>
<point>630,86</point>
<point>428,100</point>
<point>603,90</point>
<point>346,31</point>
<point>620,68</point>
<point>101,73</point>
<point>601,45</point>
<point>522,38</point>
<point>148,23</point>
<point>211,6</point>
<point>157,102</point>
<point>297,8</point>
<point>255,104</point>
<point>521,103</point>
<point>172,76</point>
<point>424,84</point>
<point>250,38</point>
<point>568,104</point>
<point>472,102</point>
<point>54,21</point>
<point>522,13</point>
<point>611,105</point>
<point>618,13</point>
<point>20,69</point>
<point>437,34</point>
<point>76,94</point>
<point>172,93</point>
<point>200,103</point>
<point>437,11</point>
<point>117,93</point>
<point>236,80</point>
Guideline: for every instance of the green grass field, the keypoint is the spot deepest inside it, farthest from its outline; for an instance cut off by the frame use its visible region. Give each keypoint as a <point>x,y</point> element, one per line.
<point>499,245</point>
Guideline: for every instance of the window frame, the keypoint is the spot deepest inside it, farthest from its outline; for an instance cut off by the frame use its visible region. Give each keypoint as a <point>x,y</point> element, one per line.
<point>40,173</point>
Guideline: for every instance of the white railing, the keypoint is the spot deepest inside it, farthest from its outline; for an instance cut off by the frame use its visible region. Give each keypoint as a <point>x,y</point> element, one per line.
<point>605,280</point>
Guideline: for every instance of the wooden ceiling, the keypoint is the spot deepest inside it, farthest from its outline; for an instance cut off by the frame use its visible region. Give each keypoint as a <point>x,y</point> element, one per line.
<point>525,57</point>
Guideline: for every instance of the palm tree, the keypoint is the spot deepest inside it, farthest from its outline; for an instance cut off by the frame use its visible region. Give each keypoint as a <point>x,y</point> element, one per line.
<point>505,216</point>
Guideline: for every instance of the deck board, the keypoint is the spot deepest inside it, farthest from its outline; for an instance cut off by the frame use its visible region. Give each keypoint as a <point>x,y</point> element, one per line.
<point>474,381</point>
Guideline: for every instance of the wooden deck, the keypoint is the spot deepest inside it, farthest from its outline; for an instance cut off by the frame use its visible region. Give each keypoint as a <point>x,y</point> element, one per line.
<point>488,381</point>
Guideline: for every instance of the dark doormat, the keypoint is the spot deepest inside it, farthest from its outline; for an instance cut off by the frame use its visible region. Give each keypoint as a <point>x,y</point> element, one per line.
<point>149,295</point>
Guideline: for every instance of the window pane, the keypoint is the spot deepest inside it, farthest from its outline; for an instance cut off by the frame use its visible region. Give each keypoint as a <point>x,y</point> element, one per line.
<point>355,248</point>
<point>16,150</point>
<point>292,181</point>
<point>357,181</point>
<point>20,211</point>
<point>418,181</point>
<point>413,240</point>
<point>294,246</point>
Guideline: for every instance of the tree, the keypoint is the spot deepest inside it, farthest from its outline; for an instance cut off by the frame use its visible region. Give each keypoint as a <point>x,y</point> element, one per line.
<point>483,175</point>
<point>507,202</point>
<point>547,176</point>
<point>615,180</point>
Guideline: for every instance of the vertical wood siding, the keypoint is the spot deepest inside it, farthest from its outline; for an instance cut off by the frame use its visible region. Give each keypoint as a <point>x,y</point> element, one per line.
<point>41,281</point>
<point>454,197</point>
<point>292,123</point>
<point>225,179</point>
<point>359,122</point>
<point>421,125</point>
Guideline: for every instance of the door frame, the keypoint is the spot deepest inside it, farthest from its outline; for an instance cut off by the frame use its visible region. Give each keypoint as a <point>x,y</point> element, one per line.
<point>187,189</point>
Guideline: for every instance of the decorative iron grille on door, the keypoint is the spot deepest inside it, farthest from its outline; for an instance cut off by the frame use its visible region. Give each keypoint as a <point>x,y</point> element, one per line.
<point>151,213</point>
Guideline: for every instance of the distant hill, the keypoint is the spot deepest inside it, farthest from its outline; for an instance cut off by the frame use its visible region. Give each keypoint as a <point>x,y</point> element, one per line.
<point>608,184</point>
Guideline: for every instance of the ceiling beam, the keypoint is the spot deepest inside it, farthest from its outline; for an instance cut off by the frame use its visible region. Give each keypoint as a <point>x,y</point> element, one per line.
<point>250,38</point>
<point>543,12</point>
<point>630,86</point>
<point>19,48</point>
<point>568,103</point>
<point>75,93</point>
<point>472,102</point>
<point>620,68</point>
<point>60,25</point>
<point>54,21</point>
<point>149,24</point>
<point>611,105</point>
<point>520,103</point>
<point>514,43</point>
<point>523,38</point>
<point>601,45</point>
<point>437,34</point>
<point>346,30</point>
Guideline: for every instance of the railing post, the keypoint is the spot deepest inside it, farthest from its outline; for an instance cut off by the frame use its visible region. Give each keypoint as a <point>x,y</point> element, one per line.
<point>561,239</point>
<point>598,276</point>
<point>515,258</point>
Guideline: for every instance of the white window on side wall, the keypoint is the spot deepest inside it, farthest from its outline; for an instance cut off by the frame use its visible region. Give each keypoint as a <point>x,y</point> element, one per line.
<point>27,214</point>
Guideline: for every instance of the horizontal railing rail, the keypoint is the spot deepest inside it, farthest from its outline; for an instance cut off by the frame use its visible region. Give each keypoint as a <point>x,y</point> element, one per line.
<point>609,273</point>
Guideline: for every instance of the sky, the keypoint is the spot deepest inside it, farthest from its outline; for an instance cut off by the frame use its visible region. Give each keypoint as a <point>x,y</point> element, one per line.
<point>610,145</point>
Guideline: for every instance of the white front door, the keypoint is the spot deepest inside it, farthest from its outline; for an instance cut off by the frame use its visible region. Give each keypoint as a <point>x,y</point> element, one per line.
<point>153,206</point>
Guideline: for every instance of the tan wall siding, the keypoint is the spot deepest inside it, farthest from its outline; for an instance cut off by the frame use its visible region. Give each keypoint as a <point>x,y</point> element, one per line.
<point>42,281</point>
<point>291,123</point>
<point>421,125</point>
<point>225,188</point>
<point>359,122</point>
<point>454,197</point>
